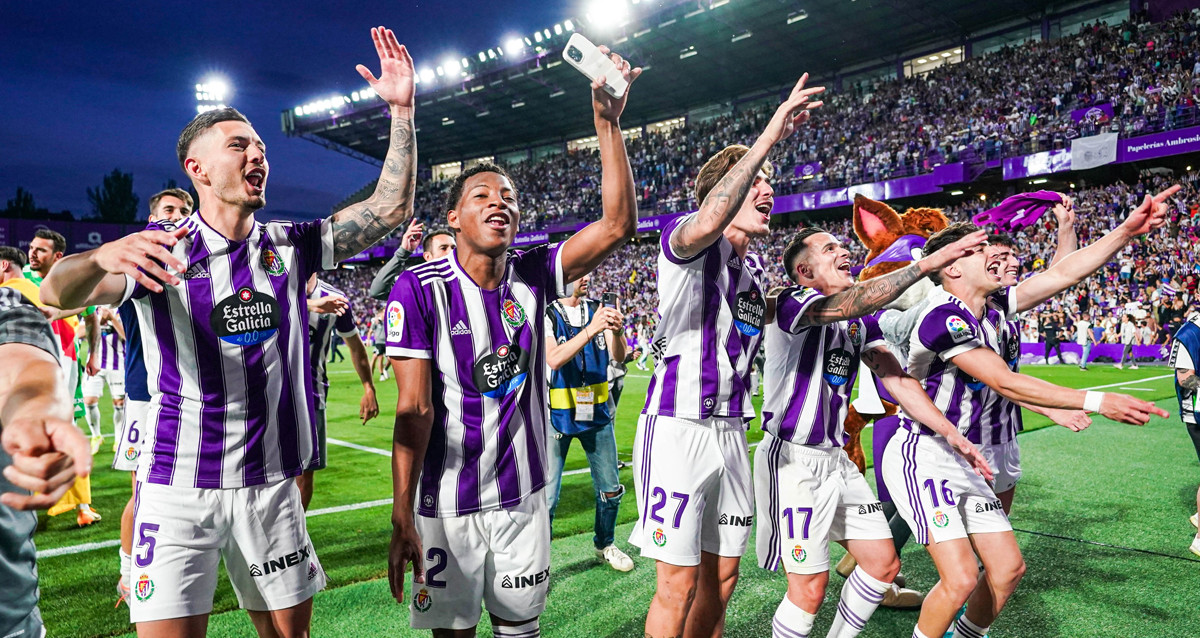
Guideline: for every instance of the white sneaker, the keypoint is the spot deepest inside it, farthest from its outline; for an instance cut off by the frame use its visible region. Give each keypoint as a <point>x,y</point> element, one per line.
<point>1195,545</point>
<point>1133,367</point>
<point>1195,519</point>
<point>1119,367</point>
<point>616,558</point>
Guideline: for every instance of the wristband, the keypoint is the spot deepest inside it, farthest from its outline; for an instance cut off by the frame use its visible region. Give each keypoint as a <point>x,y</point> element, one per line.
<point>1092,401</point>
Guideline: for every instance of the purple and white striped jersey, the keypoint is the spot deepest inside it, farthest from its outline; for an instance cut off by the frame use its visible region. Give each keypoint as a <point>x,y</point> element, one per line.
<point>811,371</point>
<point>945,330</point>
<point>711,310</point>
<point>111,350</point>
<point>1002,418</point>
<point>491,408</point>
<point>320,336</point>
<point>227,359</point>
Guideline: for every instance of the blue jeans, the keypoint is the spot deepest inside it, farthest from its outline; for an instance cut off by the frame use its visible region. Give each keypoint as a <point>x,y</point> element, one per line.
<point>1087,350</point>
<point>600,445</point>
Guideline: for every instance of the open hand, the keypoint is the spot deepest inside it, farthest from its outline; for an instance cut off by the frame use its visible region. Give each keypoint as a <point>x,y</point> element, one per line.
<point>1073,420</point>
<point>973,456</point>
<point>405,548</point>
<point>1127,409</point>
<point>329,305</point>
<point>143,256</point>
<point>793,112</point>
<point>949,254</point>
<point>605,106</point>
<point>395,84</point>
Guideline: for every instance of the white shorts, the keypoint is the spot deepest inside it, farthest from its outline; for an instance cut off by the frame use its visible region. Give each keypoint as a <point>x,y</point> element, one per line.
<point>1005,459</point>
<point>94,386</point>
<point>938,494</point>
<point>129,440</point>
<point>694,489</point>
<point>499,558</point>
<point>180,533</point>
<point>808,497</point>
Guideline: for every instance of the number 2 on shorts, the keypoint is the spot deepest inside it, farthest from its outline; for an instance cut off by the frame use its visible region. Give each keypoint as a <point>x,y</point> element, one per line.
<point>660,497</point>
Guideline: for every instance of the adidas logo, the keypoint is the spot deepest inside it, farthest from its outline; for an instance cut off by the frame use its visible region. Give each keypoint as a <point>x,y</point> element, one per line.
<point>734,262</point>
<point>197,271</point>
<point>460,328</point>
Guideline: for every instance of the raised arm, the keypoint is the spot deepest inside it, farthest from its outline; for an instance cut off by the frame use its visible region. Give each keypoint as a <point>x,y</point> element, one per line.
<point>381,285</point>
<point>866,297</point>
<point>721,204</point>
<point>359,226</point>
<point>1077,266</point>
<point>414,423</point>
<point>916,404</point>
<point>590,246</point>
<point>987,366</point>
<point>1068,239</point>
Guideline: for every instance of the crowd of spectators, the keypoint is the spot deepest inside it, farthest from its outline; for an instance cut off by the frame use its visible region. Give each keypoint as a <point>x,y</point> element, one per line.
<point>1154,279</point>
<point>985,107</point>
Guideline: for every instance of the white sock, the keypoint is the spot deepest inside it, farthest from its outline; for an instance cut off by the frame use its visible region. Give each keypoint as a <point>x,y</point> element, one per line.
<point>964,628</point>
<point>118,420</point>
<point>917,633</point>
<point>790,621</point>
<point>861,595</point>
<point>125,565</point>
<point>527,630</point>
<point>92,414</point>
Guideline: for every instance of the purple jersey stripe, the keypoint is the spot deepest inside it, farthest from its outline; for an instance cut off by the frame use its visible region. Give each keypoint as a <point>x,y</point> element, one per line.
<point>507,476</point>
<point>710,383</point>
<point>170,382</point>
<point>292,372</point>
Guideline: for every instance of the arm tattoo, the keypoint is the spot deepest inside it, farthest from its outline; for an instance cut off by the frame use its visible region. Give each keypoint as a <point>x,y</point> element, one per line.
<point>1191,382</point>
<point>721,204</point>
<point>359,226</point>
<point>862,298</point>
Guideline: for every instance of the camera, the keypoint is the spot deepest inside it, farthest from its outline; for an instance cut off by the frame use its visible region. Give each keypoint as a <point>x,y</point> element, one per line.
<point>575,54</point>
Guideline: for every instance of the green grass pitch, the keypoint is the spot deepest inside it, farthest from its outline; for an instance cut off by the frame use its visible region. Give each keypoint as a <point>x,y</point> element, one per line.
<point>1111,484</point>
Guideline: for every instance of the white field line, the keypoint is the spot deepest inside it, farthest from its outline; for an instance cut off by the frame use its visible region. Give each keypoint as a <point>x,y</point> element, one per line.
<point>86,547</point>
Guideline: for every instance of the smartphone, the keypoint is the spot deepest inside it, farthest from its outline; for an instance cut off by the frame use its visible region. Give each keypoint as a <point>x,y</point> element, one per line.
<point>609,300</point>
<point>585,56</point>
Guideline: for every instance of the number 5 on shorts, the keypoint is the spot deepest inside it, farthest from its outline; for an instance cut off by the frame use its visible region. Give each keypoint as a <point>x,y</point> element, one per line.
<point>143,559</point>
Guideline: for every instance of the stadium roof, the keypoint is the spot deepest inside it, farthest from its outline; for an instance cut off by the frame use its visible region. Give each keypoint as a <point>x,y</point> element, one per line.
<point>696,53</point>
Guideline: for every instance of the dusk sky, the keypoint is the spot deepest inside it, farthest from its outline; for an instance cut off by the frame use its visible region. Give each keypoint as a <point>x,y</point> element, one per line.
<point>100,86</point>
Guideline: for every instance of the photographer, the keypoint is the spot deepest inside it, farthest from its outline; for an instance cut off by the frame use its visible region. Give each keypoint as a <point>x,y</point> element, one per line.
<point>582,338</point>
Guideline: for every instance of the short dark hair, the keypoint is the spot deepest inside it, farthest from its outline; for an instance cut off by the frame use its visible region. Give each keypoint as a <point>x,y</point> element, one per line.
<point>996,238</point>
<point>719,165</point>
<point>456,187</point>
<point>201,123</point>
<point>947,236</point>
<point>13,256</point>
<point>60,242</point>
<point>797,247</point>
<point>179,193</point>
<point>427,243</point>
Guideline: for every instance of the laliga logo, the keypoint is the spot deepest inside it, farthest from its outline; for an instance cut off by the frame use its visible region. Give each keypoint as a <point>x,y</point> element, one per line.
<point>798,554</point>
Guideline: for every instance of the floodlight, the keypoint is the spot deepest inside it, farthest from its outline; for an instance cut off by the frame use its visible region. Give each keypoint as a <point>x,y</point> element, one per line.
<point>537,37</point>
<point>605,14</point>
<point>298,111</point>
<point>217,88</point>
<point>568,25</point>
<point>482,56</point>
<point>558,29</point>
<point>426,75</point>
<point>452,66</point>
<point>513,46</point>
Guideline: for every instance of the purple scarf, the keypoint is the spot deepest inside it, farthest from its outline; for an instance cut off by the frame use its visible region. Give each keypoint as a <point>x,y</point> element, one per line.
<point>1019,211</point>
